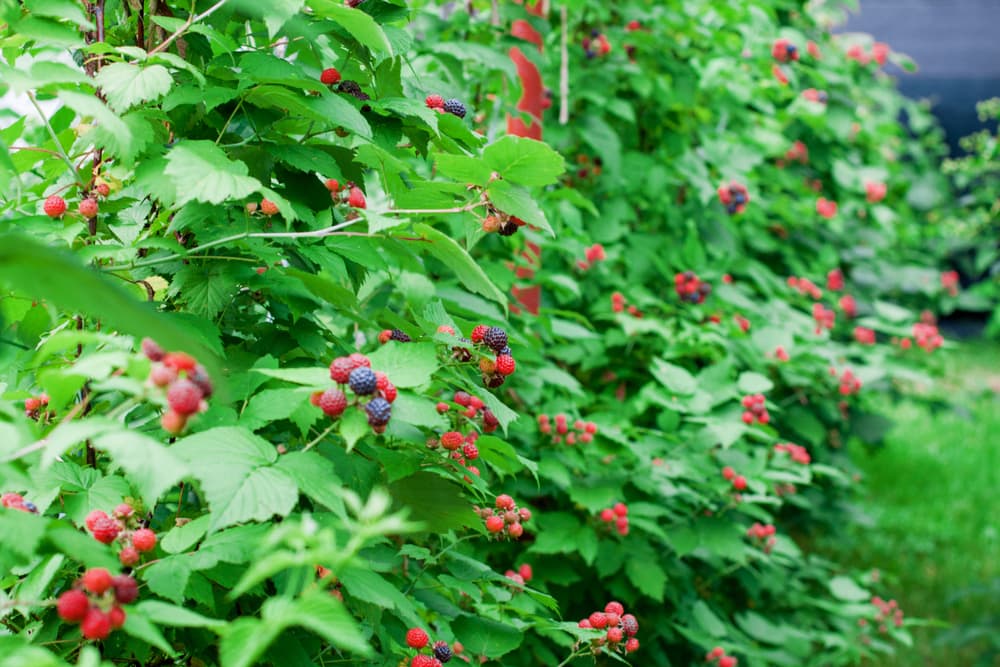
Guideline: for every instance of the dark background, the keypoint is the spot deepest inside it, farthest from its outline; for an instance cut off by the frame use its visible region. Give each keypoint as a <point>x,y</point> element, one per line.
<point>956,45</point>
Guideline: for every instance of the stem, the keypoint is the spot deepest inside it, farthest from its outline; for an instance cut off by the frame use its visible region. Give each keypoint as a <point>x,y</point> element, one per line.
<point>54,136</point>
<point>192,17</point>
<point>564,69</point>
<point>432,211</point>
<point>10,604</point>
<point>239,105</point>
<point>312,443</point>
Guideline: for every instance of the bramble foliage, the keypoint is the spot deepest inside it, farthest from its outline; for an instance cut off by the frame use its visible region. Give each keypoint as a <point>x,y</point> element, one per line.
<point>282,286</point>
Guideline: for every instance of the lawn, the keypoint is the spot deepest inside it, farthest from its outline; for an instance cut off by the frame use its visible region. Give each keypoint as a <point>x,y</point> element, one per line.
<point>932,497</point>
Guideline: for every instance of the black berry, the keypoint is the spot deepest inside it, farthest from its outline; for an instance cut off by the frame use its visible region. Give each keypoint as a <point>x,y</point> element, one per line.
<point>508,229</point>
<point>362,381</point>
<point>495,338</point>
<point>399,335</point>
<point>379,410</point>
<point>352,88</point>
<point>455,108</point>
<point>442,651</point>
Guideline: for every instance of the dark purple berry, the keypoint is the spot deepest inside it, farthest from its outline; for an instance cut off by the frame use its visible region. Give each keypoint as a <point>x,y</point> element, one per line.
<point>379,410</point>
<point>495,338</point>
<point>363,381</point>
<point>455,108</point>
<point>400,336</point>
<point>442,651</point>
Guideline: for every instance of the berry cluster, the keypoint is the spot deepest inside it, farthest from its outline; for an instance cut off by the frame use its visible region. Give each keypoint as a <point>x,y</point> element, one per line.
<point>763,535</point>
<point>864,336</point>
<point>186,381</point>
<point>372,390</point>
<point>593,254</point>
<point>784,51</point>
<point>596,45</point>
<point>826,208</point>
<point>799,152</point>
<point>849,305</point>
<point>441,651</point>
<point>805,286</point>
<point>586,168</point>
<point>474,407</point>
<point>817,96</point>
<point>33,406</point>
<point>462,448</point>
<point>690,288</point>
<point>124,527</point>
<point>849,383</point>
<point>719,654</point>
<point>582,431</point>
<point>620,629</point>
<point>825,317</point>
<point>618,305</point>
<point>797,453</point>
<point>885,611</point>
<point>507,520</point>
<point>739,482</point>
<point>522,576</point>
<point>348,193</point>
<point>496,221</point>
<point>927,336</point>
<point>330,76</point>
<point>875,192</point>
<point>617,515</point>
<point>495,370</point>
<point>734,197</point>
<point>16,501</point>
<point>95,602</point>
<point>55,206</point>
<point>756,409</point>
<point>441,105</point>
<point>949,281</point>
<point>879,54</point>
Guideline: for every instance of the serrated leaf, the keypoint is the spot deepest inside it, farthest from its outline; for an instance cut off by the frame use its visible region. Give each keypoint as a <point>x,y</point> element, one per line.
<point>458,260</point>
<point>152,467</point>
<point>484,636</point>
<point>515,200</point>
<point>406,364</point>
<point>844,588</point>
<point>126,84</point>
<point>358,24</point>
<point>435,501</point>
<point>524,161</point>
<point>201,171</point>
<point>354,426</point>
<point>754,383</point>
<point>162,613</point>
<point>674,378</point>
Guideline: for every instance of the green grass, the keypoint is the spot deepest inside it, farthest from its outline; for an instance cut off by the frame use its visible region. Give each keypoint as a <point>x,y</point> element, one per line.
<point>933,495</point>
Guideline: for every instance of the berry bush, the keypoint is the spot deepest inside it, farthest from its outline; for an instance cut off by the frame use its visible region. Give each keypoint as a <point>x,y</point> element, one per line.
<point>395,332</point>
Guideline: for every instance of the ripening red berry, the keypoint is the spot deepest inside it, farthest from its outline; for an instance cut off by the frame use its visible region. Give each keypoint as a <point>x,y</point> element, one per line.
<point>434,102</point>
<point>106,530</point>
<point>425,661</point>
<point>329,76</point>
<point>526,572</point>
<point>607,515</point>
<point>615,635</point>
<point>494,523</point>
<point>452,440</point>
<point>740,483</point>
<point>478,332</point>
<point>144,540</point>
<point>340,370</point>
<point>96,624</point>
<point>332,184</point>
<point>515,530</point>
<point>179,361</point>
<point>73,606</point>
<point>614,608</point>
<point>173,422</point>
<point>116,617</point>
<point>184,397</point>
<point>126,589</point>
<point>620,509</point>
<point>416,638</point>
<point>470,451</point>
<point>504,502</point>
<point>716,653</point>
<point>505,364</point>
<point>54,206</point>
<point>632,645</point>
<point>333,402</point>
<point>727,661</point>
<point>88,207</point>
<point>268,207</point>
<point>356,198</point>
<point>93,518</point>
<point>128,556</point>
<point>728,472</point>
<point>598,620</point>
<point>97,580</point>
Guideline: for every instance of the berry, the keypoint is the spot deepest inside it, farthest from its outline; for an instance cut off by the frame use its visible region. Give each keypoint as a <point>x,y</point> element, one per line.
<point>358,360</point>
<point>173,422</point>
<point>434,102</point>
<point>727,661</point>
<point>454,107</point>
<point>103,189</point>
<point>340,370</point>
<point>416,638</point>
<point>106,530</point>
<point>128,556</point>
<point>716,653</point>
<point>126,589</point>
<point>93,518</point>
<point>615,635</point>
<point>614,608</point>
<point>144,540</point>
<point>452,440</point>
<point>495,338</point>
<point>379,411</point>
<point>442,651</point>
<point>96,624</point>
<point>401,336</point>
<point>470,451</point>
<point>478,333</point>
<point>184,397</point>
<point>505,364</point>
<point>329,76</point>
<point>363,381</point>
<point>97,580</point>
<point>424,661</point>
<point>54,206</point>
<point>356,198</point>
<point>598,620</point>
<point>494,524</point>
<point>179,361</point>
<point>504,502</point>
<point>740,483</point>
<point>607,515</point>
<point>446,329</point>
<point>268,207</point>
<point>390,392</point>
<point>631,645</point>
<point>333,402</point>
<point>443,408</point>
<point>88,207</point>
<point>117,617</point>
<point>72,606</point>
<point>332,184</point>
<point>620,509</point>
<point>629,624</point>
<point>728,472</point>
<point>515,530</point>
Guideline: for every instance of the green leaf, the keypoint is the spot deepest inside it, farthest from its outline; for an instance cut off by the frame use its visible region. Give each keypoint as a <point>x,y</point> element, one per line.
<point>353,427</point>
<point>117,135</point>
<point>318,378</point>
<point>315,476</point>
<point>706,619</point>
<point>181,538</point>
<point>201,171</point>
<point>754,383</point>
<point>125,84</point>
<point>647,576</point>
<point>516,201</point>
<point>484,636</point>
<point>435,501</point>
<point>463,168</point>
<point>406,364</point>
<point>152,468</point>
<point>674,378</point>
<point>371,587</point>
<point>458,260</point>
<point>325,615</point>
<point>844,588</point>
<point>524,161</point>
<point>162,613</point>
<point>237,474</point>
<point>358,24</point>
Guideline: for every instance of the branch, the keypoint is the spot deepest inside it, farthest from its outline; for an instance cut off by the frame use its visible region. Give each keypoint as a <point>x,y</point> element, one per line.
<point>564,70</point>
<point>54,136</point>
<point>192,18</point>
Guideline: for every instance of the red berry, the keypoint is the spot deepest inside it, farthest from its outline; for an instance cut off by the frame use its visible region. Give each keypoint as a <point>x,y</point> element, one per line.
<point>445,329</point>
<point>598,620</point>
<point>184,397</point>
<point>614,619</point>
<point>329,76</point>
<point>728,472</point>
<point>54,206</point>
<point>173,422</point>
<point>93,518</point>
<point>390,392</point>
<point>494,523</point>
<point>340,369</point>
<point>73,605</point>
<point>128,556</point>
<point>268,207</point>
<point>333,402</point>
<point>452,440</point>
<point>620,509</point>
<point>144,540</point>
<point>105,530</point>
<point>117,617</point>
<point>614,608</point>
<point>727,661</point>
<point>505,502</point>
<point>470,451</point>
<point>123,511</point>
<point>97,580</point>
<point>434,102</point>
<point>478,332</point>
<point>615,635</point>
<point>632,645</point>
<point>443,408</point>
<point>88,207</point>
<point>96,624</point>
<point>462,399</point>
<point>179,361</point>
<point>629,624</point>
<point>425,661</point>
<point>740,483</point>
<point>332,184</point>
<point>416,638</point>
<point>126,589</point>
<point>607,515</point>
<point>358,360</point>
<point>515,530</point>
<point>356,198</point>
<point>716,653</point>
<point>103,189</point>
<point>621,525</point>
<point>505,364</point>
